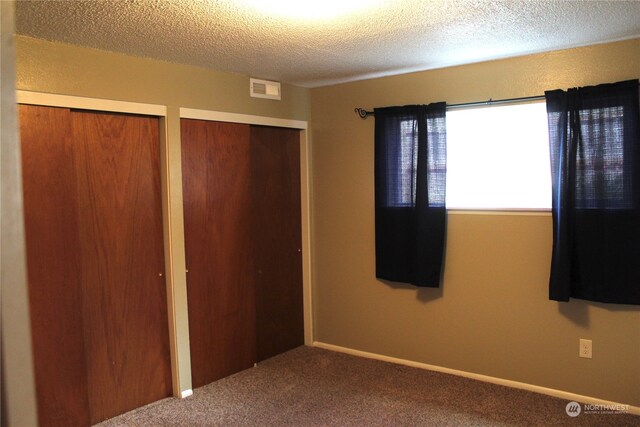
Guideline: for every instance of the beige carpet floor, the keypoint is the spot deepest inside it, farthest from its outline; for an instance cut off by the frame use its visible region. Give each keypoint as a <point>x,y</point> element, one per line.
<point>314,387</point>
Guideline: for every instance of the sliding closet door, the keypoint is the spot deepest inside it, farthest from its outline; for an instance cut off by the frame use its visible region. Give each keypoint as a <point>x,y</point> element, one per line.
<point>277,255</point>
<point>124,291</point>
<point>95,263</point>
<point>217,222</point>
<point>53,261</point>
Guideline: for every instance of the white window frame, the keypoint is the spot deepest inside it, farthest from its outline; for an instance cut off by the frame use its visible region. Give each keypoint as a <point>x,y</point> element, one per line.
<point>458,207</point>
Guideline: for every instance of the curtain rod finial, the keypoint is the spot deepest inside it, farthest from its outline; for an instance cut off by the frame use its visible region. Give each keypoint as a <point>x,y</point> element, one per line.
<point>363,113</point>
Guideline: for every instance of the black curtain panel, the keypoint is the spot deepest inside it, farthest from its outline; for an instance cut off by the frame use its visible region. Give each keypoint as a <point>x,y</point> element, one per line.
<point>595,167</point>
<point>410,181</point>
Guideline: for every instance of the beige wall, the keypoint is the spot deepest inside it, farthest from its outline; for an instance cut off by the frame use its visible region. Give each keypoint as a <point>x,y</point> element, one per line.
<point>492,315</point>
<point>58,68</point>
<point>18,388</point>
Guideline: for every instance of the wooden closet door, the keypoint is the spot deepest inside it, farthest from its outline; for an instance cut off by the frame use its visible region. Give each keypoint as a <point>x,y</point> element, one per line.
<point>53,263</point>
<point>121,249</point>
<point>218,242</point>
<point>277,254</point>
<point>94,255</point>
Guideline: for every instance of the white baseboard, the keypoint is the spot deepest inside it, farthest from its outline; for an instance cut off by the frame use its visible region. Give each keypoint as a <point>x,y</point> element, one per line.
<point>186,393</point>
<point>500,381</point>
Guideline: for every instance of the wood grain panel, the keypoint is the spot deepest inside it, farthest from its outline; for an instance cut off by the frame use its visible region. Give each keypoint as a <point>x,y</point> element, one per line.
<point>120,226</point>
<point>53,263</point>
<point>277,256</point>
<point>217,216</point>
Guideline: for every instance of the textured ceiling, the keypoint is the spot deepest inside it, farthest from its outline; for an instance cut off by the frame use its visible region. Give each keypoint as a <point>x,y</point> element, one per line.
<point>392,37</point>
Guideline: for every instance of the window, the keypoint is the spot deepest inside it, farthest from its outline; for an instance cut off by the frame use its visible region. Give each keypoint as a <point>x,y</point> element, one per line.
<point>498,157</point>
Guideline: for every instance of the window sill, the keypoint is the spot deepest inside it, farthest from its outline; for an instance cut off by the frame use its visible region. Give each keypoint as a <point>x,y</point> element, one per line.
<point>487,211</point>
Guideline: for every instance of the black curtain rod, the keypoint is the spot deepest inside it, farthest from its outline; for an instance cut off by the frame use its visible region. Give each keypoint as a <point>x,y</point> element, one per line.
<point>364,113</point>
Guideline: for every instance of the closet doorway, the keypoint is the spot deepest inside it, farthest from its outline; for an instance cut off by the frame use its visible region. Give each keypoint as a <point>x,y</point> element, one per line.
<point>243,246</point>
<point>93,223</point>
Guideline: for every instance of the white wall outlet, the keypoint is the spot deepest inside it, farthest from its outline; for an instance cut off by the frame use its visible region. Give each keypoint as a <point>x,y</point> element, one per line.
<point>585,349</point>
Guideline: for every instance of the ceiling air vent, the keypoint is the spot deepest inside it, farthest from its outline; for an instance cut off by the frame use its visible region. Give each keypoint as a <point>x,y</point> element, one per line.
<point>264,89</point>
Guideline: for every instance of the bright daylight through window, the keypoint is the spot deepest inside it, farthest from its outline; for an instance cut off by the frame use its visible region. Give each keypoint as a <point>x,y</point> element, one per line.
<point>498,158</point>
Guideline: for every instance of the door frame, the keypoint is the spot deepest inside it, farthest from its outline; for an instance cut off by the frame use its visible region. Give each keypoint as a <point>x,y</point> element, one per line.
<point>305,211</point>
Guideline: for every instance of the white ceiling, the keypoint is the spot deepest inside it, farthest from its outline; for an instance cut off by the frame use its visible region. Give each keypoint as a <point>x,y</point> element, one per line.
<point>392,37</point>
